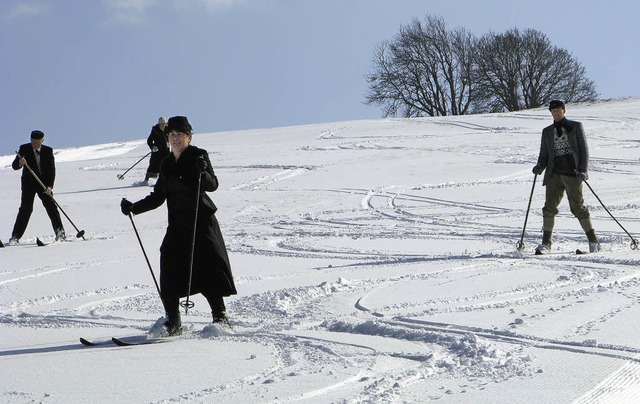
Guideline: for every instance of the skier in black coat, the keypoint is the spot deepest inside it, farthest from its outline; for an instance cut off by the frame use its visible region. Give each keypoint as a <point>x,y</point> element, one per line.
<point>40,159</point>
<point>159,145</point>
<point>177,185</point>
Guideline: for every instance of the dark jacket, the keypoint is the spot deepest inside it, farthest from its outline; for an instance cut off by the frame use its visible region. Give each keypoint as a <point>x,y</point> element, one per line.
<point>578,142</point>
<point>177,185</point>
<point>157,139</point>
<point>47,171</point>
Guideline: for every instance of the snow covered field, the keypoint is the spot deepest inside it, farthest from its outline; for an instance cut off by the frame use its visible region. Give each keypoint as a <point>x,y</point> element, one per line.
<point>375,262</point>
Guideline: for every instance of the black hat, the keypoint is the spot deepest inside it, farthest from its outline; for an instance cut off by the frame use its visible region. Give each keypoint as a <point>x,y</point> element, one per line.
<point>556,104</point>
<point>179,124</point>
<point>37,134</point>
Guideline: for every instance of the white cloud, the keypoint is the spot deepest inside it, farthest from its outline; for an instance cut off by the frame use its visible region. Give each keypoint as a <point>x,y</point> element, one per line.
<point>209,5</point>
<point>128,11</point>
<point>133,11</point>
<point>25,9</point>
<point>214,5</point>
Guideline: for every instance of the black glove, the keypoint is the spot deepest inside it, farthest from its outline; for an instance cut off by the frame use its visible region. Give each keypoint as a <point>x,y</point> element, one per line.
<point>537,170</point>
<point>201,164</point>
<point>126,206</point>
<point>154,149</point>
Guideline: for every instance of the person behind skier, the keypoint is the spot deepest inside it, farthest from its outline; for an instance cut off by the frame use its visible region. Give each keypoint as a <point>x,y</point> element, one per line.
<point>40,159</point>
<point>159,145</point>
<point>565,156</point>
<point>177,185</point>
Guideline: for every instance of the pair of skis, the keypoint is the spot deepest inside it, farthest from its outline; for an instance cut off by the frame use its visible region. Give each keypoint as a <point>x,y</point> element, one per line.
<point>212,330</point>
<point>39,243</point>
<point>130,341</point>
<point>578,252</point>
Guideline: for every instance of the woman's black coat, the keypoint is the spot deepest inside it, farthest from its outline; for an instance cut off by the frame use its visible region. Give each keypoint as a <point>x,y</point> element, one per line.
<point>157,139</point>
<point>178,184</point>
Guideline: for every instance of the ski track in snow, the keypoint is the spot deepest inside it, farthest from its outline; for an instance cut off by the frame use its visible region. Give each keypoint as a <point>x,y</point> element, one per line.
<point>622,386</point>
<point>356,337</point>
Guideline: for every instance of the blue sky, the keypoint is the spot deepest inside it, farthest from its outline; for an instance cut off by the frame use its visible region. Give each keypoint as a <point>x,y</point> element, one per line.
<point>99,71</point>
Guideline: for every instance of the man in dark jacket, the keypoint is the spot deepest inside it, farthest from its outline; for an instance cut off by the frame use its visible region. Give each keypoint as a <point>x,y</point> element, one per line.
<point>40,159</point>
<point>565,156</point>
<point>186,170</point>
<point>157,142</point>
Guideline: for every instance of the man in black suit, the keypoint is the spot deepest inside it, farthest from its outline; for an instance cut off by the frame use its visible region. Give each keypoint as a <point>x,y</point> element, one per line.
<point>40,159</point>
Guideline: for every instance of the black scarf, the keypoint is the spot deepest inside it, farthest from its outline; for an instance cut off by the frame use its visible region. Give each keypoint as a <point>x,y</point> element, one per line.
<point>563,123</point>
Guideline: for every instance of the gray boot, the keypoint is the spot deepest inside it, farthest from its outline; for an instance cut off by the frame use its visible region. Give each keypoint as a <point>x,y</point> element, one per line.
<point>545,247</point>
<point>594,245</point>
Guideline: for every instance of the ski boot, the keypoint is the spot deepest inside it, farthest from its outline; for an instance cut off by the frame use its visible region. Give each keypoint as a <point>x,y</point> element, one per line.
<point>545,247</point>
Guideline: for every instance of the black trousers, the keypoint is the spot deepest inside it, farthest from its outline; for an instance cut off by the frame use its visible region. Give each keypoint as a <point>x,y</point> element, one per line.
<point>26,208</point>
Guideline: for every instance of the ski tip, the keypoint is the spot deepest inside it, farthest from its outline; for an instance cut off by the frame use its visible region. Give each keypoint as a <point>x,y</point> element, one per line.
<point>86,342</point>
<point>580,252</point>
<point>1,245</point>
<point>120,342</point>
<point>39,242</point>
<point>133,341</point>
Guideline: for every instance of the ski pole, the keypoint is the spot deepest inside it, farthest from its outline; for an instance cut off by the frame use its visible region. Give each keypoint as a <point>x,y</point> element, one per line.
<point>145,255</point>
<point>189,304</point>
<point>121,176</point>
<point>520,244</point>
<point>80,232</point>
<point>634,242</point>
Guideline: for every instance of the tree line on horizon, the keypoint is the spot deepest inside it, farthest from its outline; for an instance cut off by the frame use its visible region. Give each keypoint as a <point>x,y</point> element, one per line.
<point>429,70</point>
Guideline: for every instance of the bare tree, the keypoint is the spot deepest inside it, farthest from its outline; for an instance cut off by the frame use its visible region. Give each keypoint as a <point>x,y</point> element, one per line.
<point>425,71</point>
<point>515,71</point>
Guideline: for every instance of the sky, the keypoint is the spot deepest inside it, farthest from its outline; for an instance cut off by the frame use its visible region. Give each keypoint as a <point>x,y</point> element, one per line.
<point>89,72</point>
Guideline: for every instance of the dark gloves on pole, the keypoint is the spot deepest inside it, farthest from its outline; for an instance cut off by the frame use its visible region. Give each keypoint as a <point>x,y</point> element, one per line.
<point>126,206</point>
<point>201,164</point>
<point>537,170</point>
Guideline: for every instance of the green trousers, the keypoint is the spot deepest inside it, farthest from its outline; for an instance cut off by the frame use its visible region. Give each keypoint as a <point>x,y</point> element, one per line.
<point>556,186</point>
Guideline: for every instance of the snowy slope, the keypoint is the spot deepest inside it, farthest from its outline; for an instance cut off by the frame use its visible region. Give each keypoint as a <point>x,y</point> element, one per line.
<point>375,262</point>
